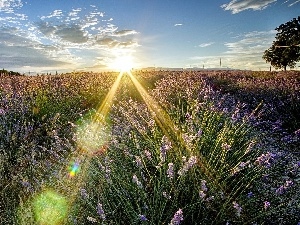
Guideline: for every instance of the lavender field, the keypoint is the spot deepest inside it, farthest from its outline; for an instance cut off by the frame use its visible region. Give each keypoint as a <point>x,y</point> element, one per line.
<point>150,147</point>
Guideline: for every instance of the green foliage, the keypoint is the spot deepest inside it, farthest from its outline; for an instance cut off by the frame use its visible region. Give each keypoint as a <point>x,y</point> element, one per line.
<point>285,50</point>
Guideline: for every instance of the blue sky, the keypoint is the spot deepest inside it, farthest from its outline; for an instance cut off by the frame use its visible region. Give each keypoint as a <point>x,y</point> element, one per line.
<point>47,36</point>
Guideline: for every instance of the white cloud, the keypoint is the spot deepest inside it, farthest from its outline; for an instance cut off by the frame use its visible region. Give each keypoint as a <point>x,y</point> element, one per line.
<point>177,24</point>
<point>58,14</point>
<point>74,12</point>
<point>245,53</point>
<point>236,6</point>
<point>203,45</point>
<point>293,3</point>
<point>8,5</point>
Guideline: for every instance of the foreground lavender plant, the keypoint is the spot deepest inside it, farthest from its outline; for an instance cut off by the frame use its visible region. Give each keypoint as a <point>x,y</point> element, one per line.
<point>178,217</point>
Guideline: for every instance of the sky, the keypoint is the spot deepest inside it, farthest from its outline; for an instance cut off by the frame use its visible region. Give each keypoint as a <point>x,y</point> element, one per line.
<point>40,36</point>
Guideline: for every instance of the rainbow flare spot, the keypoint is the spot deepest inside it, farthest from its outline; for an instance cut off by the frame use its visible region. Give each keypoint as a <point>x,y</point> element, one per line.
<point>74,169</point>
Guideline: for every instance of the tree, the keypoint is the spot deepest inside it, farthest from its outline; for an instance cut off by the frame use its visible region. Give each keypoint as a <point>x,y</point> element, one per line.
<point>285,50</point>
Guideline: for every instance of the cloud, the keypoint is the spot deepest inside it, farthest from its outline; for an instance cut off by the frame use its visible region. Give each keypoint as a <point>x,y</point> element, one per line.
<point>67,33</point>
<point>61,39</point>
<point>19,56</point>
<point>55,14</point>
<point>244,53</point>
<point>293,3</point>
<point>236,6</point>
<point>109,42</point>
<point>113,43</point>
<point>18,50</point>
<point>177,24</point>
<point>72,34</point>
<point>248,51</point>
<point>8,15</point>
<point>124,33</point>
<point>8,5</point>
<point>74,12</point>
<point>205,44</point>
<point>46,28</point>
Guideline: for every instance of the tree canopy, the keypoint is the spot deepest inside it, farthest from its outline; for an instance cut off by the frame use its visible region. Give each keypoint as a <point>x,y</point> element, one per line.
<point>285,50</point>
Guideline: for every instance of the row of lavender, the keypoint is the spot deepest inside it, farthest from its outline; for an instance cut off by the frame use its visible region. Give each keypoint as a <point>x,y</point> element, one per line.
<point>234,158</point>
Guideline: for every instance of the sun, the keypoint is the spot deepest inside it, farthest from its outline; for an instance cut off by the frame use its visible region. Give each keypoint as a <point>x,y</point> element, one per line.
<point>123,63</point>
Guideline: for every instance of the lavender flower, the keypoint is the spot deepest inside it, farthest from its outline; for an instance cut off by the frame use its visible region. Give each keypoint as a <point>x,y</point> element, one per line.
<point>266,204</point>
<point>226,147</point>
<point>284,187</point>
<point>189,164</point>
<point>148,154</point>
<point>106,168</point>
<point>166,145</point>
<point>136,181</point>
<point>199,133</point>
<point>2,111</point>
<point>91,219</point>
<point>100,211</point>
<point>238,208</point>
<point>288,183</point>
<point>138,161</point>
<point>143,217</point>
<point>280,190</point>
<point>166,195</point>
<point>250,194</point>
<point>236,115</point>
<point>170,170</point>
<point>203,185</point>
<point>265,159</point>
<point>240,167</point>
<point>202,194</point>
<point>83,193</point>
<point>188,139</point>
<point>178,217</point>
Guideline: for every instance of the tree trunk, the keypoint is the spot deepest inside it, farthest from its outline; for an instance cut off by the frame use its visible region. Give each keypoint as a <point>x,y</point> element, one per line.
<point>284,68</point>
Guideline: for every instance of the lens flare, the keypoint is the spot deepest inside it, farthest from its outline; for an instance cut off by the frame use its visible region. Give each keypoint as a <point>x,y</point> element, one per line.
<point>50,208</point>
<point>91,135</point>
<point>74,168</point>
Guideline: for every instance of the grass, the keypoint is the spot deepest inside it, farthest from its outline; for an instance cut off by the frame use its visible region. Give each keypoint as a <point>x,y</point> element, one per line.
<point>205,148</point>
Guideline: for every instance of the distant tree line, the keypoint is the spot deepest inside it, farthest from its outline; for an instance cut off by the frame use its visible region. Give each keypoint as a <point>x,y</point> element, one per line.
<point>11,73</point>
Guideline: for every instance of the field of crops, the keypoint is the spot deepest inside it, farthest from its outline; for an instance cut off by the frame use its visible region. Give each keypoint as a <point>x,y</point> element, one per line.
<point>150,147</point>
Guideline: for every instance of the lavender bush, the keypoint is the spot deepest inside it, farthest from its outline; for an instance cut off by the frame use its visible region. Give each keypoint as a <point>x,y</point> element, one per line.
<point>232,157</point>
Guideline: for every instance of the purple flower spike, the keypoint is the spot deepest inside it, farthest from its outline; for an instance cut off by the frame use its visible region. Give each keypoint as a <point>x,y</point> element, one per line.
<point>143,218</point>
<point>178,217</point>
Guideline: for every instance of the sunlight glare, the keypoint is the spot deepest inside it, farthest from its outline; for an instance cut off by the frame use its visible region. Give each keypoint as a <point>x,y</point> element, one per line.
<point>123,63</point>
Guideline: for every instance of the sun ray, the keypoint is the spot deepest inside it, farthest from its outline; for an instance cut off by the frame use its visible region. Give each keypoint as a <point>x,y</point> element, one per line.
<point>161,117</point>
<point>107,102</point>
